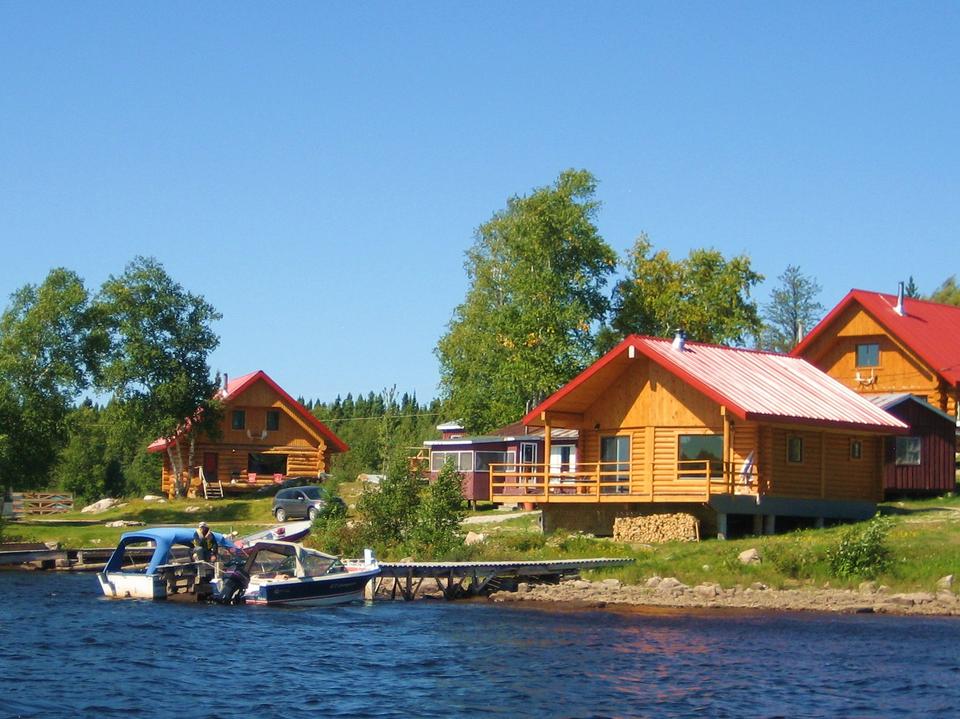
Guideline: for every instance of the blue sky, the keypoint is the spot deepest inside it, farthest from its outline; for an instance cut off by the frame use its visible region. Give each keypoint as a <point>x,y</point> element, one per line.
<point>318,170</point>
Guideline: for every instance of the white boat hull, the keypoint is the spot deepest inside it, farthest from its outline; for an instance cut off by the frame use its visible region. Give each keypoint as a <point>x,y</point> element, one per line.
<point>122,585</point>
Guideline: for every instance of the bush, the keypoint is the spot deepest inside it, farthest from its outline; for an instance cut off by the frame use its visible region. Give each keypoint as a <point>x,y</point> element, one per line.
<point>436,530</point>
<point>862,550</point>
<point>791,557</point>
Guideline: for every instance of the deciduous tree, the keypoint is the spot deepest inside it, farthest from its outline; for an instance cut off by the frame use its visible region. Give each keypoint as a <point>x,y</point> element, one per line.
<point>947,293</point>
<point>537,271</point>
<point>160,337</point>
<point>704,294</point>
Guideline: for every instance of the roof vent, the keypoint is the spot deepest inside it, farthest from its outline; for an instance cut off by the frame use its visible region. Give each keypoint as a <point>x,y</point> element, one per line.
<point>225,379</point>
<point>899,308</point>
<point>678,340</point>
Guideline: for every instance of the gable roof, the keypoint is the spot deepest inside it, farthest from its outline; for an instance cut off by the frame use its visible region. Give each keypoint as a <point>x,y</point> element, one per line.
<point>888,400</point>
<point>752,385</point>
<point>237,386</point>
<point>930,329</point>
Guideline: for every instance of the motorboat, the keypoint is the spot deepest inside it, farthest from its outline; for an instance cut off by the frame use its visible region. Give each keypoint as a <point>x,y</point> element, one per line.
<point>127,575</point>
<point>287,573</point>
<point>290,532</point>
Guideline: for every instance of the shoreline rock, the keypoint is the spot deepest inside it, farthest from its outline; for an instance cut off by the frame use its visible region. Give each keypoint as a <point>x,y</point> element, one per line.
<point>670,592</point>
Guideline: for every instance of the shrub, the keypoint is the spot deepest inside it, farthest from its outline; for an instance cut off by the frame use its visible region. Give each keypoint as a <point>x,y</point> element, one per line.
<point>436,529</point>
<point>862,550</point>
<point>791,557</point>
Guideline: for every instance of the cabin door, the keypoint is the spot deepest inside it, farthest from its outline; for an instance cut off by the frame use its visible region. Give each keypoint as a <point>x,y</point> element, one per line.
<point>211,465</point>
<point>563,459</point>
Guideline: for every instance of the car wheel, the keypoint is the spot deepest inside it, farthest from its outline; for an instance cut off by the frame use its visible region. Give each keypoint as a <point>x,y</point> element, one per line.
<point>313,513</point>
<point>280,514</point>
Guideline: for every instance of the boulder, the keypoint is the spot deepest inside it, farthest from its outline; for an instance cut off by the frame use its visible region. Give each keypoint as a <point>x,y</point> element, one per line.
<point>653,582</point>
<point>611,583</point>
<point>124,523</point>
<point>100,506</point>
<point>151,497</point>
<point>945,583</point>
<point>867,588</point>
<point>670,585</point>
<point>474,538</point>
<point>749,556</point>
<point>706,590</point>
<point>192,509</point>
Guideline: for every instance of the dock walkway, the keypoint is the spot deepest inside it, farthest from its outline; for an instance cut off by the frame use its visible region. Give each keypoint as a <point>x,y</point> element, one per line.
<point>457,579</point>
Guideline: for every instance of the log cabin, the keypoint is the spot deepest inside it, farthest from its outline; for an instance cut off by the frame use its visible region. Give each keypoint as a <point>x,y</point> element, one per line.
<point>265,436</point>
<point>879,343</point>
<point>514,444</point>
<point>736,437</point>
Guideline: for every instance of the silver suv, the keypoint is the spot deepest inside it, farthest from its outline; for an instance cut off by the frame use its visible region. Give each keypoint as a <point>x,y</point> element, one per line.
<point>301,502</point>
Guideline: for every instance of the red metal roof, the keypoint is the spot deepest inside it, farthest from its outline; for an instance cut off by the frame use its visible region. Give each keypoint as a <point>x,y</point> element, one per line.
<point>752,385</point>
<point>930,329</point>
<point>237,386</point>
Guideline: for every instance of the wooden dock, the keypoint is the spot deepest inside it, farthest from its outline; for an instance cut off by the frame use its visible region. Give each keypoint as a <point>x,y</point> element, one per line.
<point>466,579</point>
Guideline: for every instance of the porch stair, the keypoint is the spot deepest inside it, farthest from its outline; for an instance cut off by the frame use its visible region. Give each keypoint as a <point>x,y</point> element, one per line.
<point>211,490</point>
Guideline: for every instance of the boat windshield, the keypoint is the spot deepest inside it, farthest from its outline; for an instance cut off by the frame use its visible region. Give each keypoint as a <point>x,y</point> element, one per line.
<point>271,561</point>
<point>315,565</point>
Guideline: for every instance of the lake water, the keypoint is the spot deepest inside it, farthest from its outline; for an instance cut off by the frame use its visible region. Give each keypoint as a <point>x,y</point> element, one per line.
<point>67,652</point>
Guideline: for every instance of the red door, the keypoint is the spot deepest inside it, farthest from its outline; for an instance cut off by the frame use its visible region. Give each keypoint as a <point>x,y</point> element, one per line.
<point>211,465</point>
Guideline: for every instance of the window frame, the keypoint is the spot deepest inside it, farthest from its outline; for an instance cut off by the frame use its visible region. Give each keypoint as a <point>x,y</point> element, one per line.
<point>241,415</point>
<point>903,459</point>
<point>856,355</point>
<point>614,474</point>
<point>273,414</point>
<point>795,441</point>
<point>856,449</point>
<point>716,465</point>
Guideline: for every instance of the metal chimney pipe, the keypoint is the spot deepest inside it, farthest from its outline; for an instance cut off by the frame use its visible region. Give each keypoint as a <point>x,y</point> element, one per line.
<point>899,308</point>
<point>678,340</point>
<point>225,382</point>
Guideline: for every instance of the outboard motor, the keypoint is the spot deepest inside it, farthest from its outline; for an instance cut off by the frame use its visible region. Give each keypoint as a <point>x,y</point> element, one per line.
<point>234,583</point>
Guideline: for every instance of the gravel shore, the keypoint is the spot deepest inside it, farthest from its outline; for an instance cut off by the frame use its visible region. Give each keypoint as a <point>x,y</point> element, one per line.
<point>670,592</point>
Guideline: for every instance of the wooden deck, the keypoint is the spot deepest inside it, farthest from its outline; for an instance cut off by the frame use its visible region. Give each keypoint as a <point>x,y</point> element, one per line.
<point>686,481</point>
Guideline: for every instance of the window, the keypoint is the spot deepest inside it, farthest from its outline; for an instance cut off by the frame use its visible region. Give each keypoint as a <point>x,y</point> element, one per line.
<point>262,463</point>
<point>856,449</point>
<point>239,419</point>
<point>695,450</point>
<point>908,450</point>
<point>485,459</point>
<point>614,464</point>
<point>868,355</point>
<point>528,452</point>
<point>462,460</point>
<point>273,419</point>
<point>795,450</point>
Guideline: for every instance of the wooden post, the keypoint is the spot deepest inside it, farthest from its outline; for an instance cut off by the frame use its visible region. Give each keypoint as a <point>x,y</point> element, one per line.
<point>547,441</point>
<point>727,457</point>
<point>721,525</point>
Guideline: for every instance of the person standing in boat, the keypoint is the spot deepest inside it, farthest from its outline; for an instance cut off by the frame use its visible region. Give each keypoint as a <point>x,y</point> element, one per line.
<point>205,544</point>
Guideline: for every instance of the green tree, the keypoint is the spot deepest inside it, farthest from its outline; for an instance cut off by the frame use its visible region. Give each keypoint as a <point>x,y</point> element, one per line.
<point>46,347</point>
<point>160,337</point>
<point>948,293</point>
<point>437,527</point>
<point>536,272</point>
<point>704,294</point>
<point>387,513</point>
<point>86,466</point>
<point>911,290</point>
<point>793,309</point>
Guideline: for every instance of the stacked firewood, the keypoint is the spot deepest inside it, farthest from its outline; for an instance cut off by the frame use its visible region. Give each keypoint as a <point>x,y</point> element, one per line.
<point>656,528</point>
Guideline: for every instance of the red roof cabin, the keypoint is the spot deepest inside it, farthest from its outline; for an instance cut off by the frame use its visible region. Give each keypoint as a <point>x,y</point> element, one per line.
<point>514,445</point>
<point>736,437</point>
<point>265,436</point>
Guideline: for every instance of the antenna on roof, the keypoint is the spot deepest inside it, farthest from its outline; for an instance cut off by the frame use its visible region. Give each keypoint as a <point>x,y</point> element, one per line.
<point>899,308</point>
<point>678,340</point>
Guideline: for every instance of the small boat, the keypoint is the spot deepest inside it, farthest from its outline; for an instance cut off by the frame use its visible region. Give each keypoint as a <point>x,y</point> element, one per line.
<point>287,573</point>
<point>291,532</point>
<point>127,575</point>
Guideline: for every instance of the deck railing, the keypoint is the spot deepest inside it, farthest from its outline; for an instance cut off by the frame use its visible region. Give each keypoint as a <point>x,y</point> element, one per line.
<point>681,481</point>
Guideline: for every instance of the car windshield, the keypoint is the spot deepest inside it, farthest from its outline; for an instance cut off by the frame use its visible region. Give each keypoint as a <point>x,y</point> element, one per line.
<point>312,492</point>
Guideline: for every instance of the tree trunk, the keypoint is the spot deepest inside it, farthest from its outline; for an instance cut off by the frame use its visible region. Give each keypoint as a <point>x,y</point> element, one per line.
<point>176,464</point>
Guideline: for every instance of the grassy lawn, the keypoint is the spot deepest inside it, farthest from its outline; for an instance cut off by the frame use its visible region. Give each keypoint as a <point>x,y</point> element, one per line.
<point>75,529</point>
<point>924,540</point>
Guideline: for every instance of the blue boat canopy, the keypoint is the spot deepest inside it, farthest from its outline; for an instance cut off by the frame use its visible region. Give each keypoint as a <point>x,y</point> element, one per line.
<point>165,538</point>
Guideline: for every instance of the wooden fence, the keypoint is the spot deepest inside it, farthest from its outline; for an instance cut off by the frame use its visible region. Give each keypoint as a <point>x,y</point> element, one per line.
<point>41,503</point>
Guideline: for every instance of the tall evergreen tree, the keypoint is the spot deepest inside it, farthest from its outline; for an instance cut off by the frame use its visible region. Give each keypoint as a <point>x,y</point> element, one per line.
<point>536,270</point>
<point>793,310</point>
